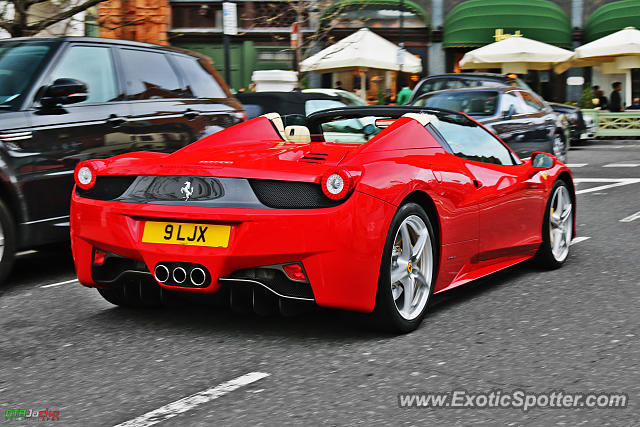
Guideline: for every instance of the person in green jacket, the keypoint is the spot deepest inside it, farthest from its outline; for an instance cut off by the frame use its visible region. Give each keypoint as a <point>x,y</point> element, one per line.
<point>403,96</point>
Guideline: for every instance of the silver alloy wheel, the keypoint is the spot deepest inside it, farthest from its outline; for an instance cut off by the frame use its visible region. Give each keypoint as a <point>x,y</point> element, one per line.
<point>560,223</point>
<point>411,267</point>
<point>559,148</point>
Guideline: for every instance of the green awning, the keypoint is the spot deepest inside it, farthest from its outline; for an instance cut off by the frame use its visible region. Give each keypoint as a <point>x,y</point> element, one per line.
<point>343,5</point>
<point>474,22</point>
<point>612,17</point>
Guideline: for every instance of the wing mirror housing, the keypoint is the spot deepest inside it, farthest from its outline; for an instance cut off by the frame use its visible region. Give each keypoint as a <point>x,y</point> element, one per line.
<point>542,161</point>
<point>64,91</point>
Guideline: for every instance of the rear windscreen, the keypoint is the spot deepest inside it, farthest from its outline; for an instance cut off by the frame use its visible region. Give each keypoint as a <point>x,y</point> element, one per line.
<point>473,103</point>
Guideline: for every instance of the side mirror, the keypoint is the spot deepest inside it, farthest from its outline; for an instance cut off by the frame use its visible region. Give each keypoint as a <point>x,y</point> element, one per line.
<point>509,113</point>
<point>64,91</point>
<point>542,161</point>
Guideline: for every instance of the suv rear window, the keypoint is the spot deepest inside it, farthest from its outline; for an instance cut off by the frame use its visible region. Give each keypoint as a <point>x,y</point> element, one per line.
<point>149,75</point>
<point>474,103</point>
<point>199,82</point>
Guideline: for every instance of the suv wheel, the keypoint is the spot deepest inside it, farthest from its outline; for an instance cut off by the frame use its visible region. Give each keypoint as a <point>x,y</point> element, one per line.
<point>7,241</point>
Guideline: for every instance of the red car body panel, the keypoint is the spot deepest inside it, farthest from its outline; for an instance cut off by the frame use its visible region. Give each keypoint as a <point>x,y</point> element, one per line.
<point>487,216</point>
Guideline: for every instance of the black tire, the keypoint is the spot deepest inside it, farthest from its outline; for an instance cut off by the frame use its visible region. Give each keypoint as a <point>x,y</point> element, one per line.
<point>386,313</point>
<point>8,233</point>
<point>545,257</point>
<point>133,295</point>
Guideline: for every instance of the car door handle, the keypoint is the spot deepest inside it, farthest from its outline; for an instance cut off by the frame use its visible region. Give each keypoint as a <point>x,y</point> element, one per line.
<point>191,114</point>
<point>114,120</point>
<point>526,123</point>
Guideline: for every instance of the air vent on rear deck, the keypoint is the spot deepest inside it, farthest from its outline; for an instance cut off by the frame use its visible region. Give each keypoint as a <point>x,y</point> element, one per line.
<point>312,157</point>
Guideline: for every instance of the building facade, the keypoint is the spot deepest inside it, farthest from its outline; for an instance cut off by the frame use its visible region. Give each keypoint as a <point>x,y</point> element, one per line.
<point>438,31</point>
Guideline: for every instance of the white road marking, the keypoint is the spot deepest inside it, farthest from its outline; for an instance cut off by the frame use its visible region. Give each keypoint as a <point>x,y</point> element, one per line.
<point>30,251</point>
<point>59,283</point>
<point>190,402</point>
<point>576,165</point>
<point>631,217</point>
<point>613,146</point>
<point>614,182</point>
<point>621,165</point>
<point>579,239</point>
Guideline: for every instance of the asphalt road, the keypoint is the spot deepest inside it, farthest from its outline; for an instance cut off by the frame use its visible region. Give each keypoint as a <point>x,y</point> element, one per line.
<point>575,329</point>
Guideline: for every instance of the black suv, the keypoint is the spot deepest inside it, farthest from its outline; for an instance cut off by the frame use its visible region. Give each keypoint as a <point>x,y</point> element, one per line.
<point>63,100</point>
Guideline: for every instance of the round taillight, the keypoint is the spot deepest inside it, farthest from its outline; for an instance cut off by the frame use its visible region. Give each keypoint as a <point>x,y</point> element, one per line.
<point>336,184</point>
<point>85,177</point>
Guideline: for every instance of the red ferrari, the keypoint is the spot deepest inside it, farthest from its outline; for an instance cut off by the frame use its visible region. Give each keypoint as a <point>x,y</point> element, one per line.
<point>371,209</point>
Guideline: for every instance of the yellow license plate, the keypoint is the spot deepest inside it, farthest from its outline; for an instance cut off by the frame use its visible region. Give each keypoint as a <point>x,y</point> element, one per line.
<point>186,233</point>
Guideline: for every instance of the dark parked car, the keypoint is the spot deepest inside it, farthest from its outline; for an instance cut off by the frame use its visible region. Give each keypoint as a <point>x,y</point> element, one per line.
<point>520,119</point>
<point>63,100</point>
<point>302,102</point>
<point>464,80</point>
<point>575,121</point>
<point>573,115</point>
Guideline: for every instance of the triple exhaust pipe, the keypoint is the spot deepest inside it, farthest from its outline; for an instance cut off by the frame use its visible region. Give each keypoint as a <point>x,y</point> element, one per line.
<point>181,274</point>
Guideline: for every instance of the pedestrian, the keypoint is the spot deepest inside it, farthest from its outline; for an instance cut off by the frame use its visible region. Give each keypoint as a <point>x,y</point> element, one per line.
<point>403,95</point>
<point>252,86</point>
<point>602,100</point>
<point>339,85</point>
<point>615,104</point>
<point>635,105</point>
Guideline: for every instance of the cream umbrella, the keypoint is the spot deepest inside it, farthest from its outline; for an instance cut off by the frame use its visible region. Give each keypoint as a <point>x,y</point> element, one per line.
<point>362,50</point>
<point>620,50</point>
<point>616,53</point>
<point>515,54</point>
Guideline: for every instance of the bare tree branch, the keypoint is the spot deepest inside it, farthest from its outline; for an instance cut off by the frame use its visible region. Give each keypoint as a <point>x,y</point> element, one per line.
<point>41,25</point>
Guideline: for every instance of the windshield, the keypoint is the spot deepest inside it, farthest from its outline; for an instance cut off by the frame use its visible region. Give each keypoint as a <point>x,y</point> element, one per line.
<point>19,64</point>
<point>353,128</point>
<point>473,103</point>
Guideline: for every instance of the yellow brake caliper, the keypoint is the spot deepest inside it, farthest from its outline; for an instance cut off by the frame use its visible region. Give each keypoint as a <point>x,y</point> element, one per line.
<point>551,227</point>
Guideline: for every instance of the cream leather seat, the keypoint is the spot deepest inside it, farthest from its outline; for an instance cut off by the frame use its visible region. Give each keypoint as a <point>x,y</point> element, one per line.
<point>422,118</point>
<point>297,134</point>
<point>277,122</point>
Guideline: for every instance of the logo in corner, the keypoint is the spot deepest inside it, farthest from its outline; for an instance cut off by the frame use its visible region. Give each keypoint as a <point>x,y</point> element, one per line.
<point>187,190</point>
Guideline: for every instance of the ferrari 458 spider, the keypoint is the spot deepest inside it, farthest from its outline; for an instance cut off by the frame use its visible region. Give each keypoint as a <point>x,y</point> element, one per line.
<point>371,209</point>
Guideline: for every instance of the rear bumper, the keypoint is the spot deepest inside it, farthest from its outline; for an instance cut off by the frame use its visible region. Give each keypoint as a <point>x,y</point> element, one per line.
<point>340,248</point>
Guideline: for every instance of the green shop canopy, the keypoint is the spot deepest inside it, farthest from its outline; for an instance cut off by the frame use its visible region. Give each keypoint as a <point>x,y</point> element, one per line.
<point>612,17</point>
<point>346,5</point>
<point>474,22</point>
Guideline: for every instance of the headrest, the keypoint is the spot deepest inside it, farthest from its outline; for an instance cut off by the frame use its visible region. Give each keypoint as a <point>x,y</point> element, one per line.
<point>422,118</point>
<point>277,122</point>
<point>297,134</point>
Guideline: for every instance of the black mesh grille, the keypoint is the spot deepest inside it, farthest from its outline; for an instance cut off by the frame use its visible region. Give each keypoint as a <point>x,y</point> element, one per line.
<point>276,281</point>
<point>291,194</point>
<point>107,187</point>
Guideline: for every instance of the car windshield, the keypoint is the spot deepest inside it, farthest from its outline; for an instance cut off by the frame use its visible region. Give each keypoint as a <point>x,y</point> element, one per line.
<point>346,129</point>
<point>19,64</point>
<point>473,103</point>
